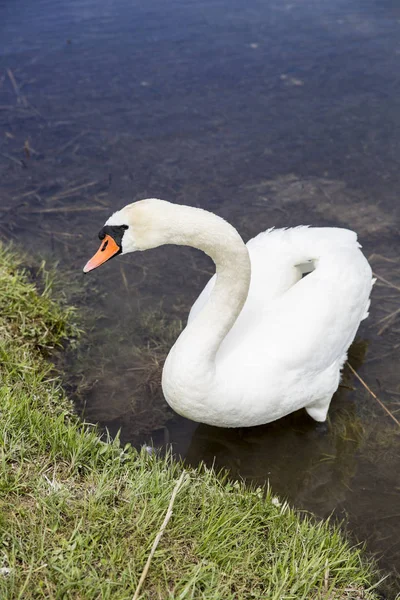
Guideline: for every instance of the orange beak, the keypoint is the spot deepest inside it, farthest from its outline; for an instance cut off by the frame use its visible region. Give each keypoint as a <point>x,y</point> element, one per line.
<point>107,250</point>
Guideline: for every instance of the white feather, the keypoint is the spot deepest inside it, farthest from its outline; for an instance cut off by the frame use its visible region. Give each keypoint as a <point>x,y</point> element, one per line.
<point>265,340</point>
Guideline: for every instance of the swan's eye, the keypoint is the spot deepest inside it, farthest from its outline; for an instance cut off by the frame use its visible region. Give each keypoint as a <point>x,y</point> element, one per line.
<point>104,246</point>
<point>114,231</point>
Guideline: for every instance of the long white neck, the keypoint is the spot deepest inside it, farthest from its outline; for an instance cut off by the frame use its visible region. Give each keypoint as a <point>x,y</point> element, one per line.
<point>191,362</point>
<point>203,336</point>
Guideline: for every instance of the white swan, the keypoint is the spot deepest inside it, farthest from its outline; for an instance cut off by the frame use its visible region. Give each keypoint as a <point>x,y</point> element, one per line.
<point>261,341</point>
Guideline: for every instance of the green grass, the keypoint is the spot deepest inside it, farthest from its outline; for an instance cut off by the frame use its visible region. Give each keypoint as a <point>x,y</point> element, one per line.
<point>78,515</point>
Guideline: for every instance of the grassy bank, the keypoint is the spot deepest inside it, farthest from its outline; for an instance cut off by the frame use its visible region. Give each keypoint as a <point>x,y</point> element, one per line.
<point>79,516</point>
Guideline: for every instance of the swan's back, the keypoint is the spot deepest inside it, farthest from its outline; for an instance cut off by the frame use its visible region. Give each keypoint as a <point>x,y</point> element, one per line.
<point>295,322</point>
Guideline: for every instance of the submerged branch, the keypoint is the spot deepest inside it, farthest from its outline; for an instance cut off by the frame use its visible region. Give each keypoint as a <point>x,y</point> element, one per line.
<point>391,415</point>
<point>386,282</point>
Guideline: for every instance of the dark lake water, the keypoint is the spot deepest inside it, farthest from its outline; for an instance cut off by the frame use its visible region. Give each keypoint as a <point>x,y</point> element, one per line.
<point>264,111</point>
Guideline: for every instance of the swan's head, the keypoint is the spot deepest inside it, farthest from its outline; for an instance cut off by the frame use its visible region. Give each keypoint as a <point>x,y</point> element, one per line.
<point>150,223</point>
<point>137,226</point>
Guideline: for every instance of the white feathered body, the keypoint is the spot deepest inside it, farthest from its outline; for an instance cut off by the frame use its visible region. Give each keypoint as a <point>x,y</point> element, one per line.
<point>262,340</point>
<point>287,347</point>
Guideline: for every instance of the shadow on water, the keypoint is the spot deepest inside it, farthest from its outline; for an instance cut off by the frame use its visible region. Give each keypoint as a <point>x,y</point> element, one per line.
<point>269,113</point>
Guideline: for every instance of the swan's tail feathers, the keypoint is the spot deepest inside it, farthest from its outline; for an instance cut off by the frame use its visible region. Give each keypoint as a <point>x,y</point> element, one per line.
<point>318,410</point>
<point>366,313</point>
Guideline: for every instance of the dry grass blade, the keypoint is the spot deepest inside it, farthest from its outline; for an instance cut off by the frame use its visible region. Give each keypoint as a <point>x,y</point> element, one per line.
<point>159,535</point>
<point>386,282</point>
<point>70,143</point>
<point>389,316</point>
<point>15,160</point>
<point>389,320</point>
<point>385,258</point>
<point>381,356</point>
<point>326,577</point>
<point>26,194</point>
<point>20,97</point>
<point>61,209</point>
<point>124,279</point>
<point>391,415</point>
<point>73,190</point>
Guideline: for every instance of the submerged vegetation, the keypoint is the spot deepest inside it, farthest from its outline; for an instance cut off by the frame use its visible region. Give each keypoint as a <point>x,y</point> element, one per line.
<point>79,514</point>
<point>145,340</point>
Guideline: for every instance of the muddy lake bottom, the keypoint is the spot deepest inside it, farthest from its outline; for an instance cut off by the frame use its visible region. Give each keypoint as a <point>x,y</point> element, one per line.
<point>273,115</point>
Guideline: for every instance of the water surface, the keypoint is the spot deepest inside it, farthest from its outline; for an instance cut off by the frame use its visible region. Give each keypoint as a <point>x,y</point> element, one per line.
<point>266,112</point>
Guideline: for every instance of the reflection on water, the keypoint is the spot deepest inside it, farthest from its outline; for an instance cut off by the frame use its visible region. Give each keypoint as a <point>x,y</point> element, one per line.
<point>269,113</point>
